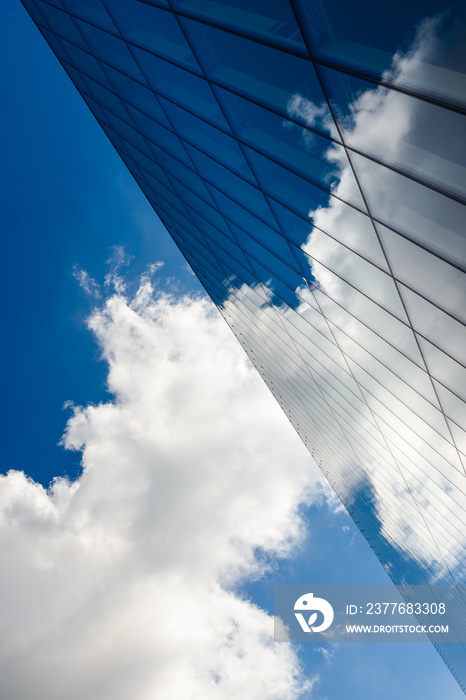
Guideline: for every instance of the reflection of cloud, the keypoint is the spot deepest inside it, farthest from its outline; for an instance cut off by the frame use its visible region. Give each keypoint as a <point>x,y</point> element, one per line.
<point>373,383</point>
<point>120,584</point>
<point>418,137</point>
<point>312,114</point>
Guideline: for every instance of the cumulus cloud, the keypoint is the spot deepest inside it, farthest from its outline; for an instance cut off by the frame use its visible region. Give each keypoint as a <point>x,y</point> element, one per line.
<point>123,584</point>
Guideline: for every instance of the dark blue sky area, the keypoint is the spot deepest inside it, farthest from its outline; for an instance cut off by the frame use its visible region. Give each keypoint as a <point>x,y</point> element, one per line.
<point>66,198</point>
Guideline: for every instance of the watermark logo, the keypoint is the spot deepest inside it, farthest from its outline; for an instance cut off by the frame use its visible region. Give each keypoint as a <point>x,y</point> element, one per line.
<point>370,613</point>
<point>308,603</point>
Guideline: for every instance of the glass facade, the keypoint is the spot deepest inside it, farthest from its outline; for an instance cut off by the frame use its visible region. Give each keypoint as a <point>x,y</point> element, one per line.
<point>308,158</point>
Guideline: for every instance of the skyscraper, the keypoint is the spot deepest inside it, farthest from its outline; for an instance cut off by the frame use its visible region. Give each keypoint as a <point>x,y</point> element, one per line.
<point>306,158</point>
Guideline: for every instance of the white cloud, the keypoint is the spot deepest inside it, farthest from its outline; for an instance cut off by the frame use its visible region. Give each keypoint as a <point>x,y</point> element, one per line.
<point>86,282</point>
<point>327,652</point>
<point>121,585</point>
<point>118,260</point>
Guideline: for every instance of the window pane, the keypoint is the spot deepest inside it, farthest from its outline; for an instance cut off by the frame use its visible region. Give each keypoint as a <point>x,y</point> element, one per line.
<point>155,30</point>
<point>420,138</point>
<point>85,63</point>
<point>110,49</point>
<point>414,209</point>
<point>312,156</point>
<point>234,186</point>
<point>377,285</point>
<point>418,268</point>
<point>273,21</point>
<point>264,74</point>
<point>418,44</point>
<point>182,87</point>
<point>160,135</point>
<point>62,24</point>
<point>439,327</point>
<point>93,11</point>
<point>208,138</point>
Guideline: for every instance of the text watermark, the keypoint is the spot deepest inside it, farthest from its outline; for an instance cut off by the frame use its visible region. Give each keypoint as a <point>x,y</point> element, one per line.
<point>370,613</point>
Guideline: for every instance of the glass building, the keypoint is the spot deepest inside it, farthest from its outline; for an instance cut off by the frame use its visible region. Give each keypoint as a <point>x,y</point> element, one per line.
<point>308,158</point>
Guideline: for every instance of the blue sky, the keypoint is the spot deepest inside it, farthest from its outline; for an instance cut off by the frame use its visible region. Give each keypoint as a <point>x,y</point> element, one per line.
<point>67,201</point>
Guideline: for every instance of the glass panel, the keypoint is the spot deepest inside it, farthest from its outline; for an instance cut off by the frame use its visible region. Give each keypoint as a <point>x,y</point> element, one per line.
<point>266,75</point>
<point>417,267</point>
<point>260,232</point>
<point>426,216</point>
<point>155,30</point>
<point>351,227</point>
<point>235,187</point>
<point>276,244</point>
<point>110,49</point>
<point>35,13</point>
<point>105,98</point>
<point>127,133</point>
<point>155,188</point>
<point>279,289</point>
<point>210,222</point>
<point>158,3</point>
<point>330,214</point>
<point>178,173</point>
<point>56,3</point>
<point>459,436</point>
<point>452,404</point>
<point>62,24</point>
<point>311,321</point>
<point>295,229</point>
<point>421,138</point>
<point>273,21</point>
<point>159,134</point>
<point>418,45</point>
<point>161,198</point>
<point>294,191</point>
<point>437,326</point>
<point>229,248</point>
<point>208,262</point>
<point>208,138</point>
<point>312,156</point>
<point>182,87</point>
<point>408,442</point>
<point>175,212</point>
<point>201,207</point>
<point>307,337</point>
<point>351,267</point>
<point>93,11</point>
<point>57,47</point>
<point>390,368</point>
<point>355,232</point>
<point>85,63</point>
<point>343,304</point>
<point>444,368</point>
<point>234,265</point>
<point>137,95</point>
<point>149,166</point>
